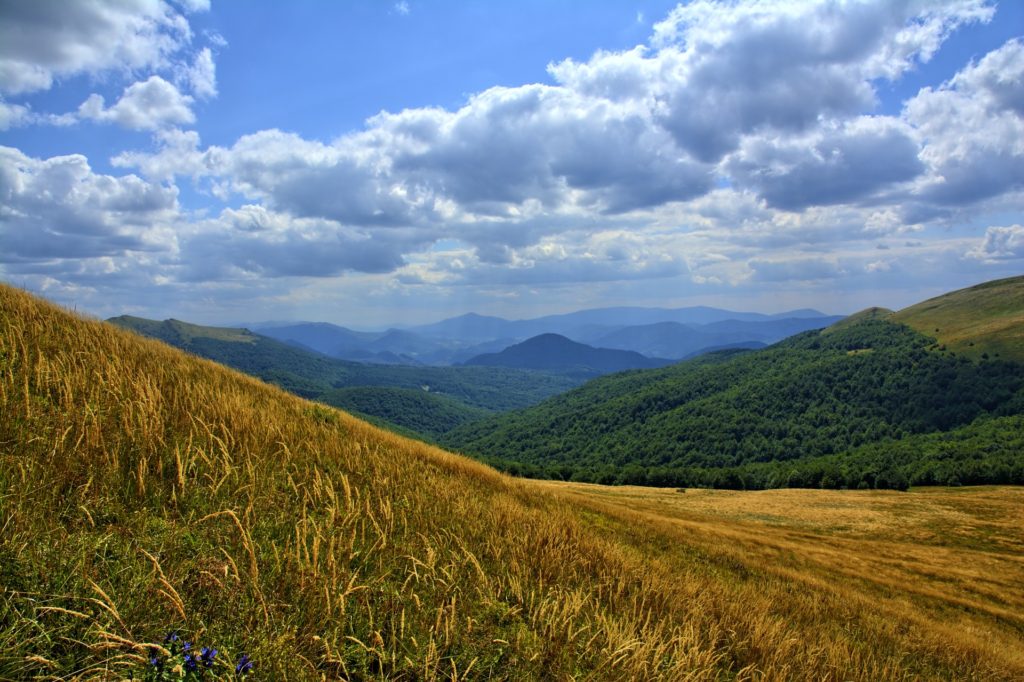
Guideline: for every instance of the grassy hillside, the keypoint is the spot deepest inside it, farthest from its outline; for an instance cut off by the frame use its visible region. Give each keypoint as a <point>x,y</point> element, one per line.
<point>143,490</point>
<point>814,395</point>
<point>312,375</point>
<point>984,320</point>
<point>178,333</point>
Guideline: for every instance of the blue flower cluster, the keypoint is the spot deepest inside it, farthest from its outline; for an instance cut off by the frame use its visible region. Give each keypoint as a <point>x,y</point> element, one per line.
<point>184,662</point>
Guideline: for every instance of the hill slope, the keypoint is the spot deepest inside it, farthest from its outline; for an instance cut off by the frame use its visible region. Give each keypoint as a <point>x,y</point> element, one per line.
<point>552,352</point>
<point>143,490</point>
<point>706,422</point>
<point>987,318</point>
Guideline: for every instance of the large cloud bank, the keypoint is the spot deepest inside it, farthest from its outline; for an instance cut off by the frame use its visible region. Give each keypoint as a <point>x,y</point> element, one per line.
<point>739,144</point>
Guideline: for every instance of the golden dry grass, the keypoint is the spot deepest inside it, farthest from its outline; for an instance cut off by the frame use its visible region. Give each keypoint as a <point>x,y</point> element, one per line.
<point>950,561</point>
<point>142,490</point>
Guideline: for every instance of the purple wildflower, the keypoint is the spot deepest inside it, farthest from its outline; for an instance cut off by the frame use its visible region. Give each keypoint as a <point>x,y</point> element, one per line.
<point>244,665</point>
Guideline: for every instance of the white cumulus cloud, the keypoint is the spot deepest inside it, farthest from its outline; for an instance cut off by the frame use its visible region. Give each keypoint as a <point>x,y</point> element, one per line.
<point>43,40</point>
<point>202,75</point>
<point>745,130</point>
<point>58,208</point>
<point>1000,243</point>
<point>972,130</point>
<point>147,105</point>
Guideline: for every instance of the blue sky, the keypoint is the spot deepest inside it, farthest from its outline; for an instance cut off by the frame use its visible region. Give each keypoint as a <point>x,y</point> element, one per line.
<point>370,163</point>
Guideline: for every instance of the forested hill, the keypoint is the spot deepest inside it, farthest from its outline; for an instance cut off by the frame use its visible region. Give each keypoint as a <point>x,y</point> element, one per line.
<point>713,420</point>
<point>553,352</point>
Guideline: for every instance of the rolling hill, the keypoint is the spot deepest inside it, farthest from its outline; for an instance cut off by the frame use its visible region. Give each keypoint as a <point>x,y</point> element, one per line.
<point>178,333</point>
<point>554,353</point>
<point>785,416</point>
<point>145,491</point>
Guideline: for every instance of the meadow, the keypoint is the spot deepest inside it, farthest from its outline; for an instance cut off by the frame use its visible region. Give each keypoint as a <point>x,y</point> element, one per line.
<point>143,490</point>
<point>949,560</point>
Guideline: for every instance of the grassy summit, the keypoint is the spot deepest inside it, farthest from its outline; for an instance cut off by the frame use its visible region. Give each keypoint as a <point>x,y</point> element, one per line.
<point>983,319</point>
<point>144,490</point>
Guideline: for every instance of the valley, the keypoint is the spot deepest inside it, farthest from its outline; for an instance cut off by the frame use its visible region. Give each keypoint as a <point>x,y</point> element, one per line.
<point>429,380</point>
<point>877,400</point>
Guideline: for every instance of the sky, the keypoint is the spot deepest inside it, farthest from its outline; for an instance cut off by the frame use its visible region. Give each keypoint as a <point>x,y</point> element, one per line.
<point>372,163</point>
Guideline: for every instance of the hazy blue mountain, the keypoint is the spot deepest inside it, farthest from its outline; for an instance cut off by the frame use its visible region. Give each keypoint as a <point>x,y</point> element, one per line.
<point>676,340</point>
<point>460,356</point>
<point>662,339</point>
<point>587,323</point>
<point>402,342</point>
<point>322,337</point>
<point>552,352</point>
<point>633,316</point>
<point>390,347</point>
<point>469,327</point>
<point>770,331</point>
<point>655,332</point>
<point>800,312</point>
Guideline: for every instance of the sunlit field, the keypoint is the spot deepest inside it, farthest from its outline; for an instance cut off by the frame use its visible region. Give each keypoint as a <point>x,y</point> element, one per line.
<point>950,561</point>
<point>144,491</point>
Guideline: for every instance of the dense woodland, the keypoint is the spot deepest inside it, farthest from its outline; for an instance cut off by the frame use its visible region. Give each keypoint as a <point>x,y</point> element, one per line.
<point>871,404</point>
<point>412,409</point>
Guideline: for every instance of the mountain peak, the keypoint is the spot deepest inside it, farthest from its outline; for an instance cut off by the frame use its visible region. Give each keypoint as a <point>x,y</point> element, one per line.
<point>554,352</point>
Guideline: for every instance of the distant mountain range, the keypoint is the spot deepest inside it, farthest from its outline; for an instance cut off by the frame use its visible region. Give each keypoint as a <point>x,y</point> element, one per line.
<point>671,333</point>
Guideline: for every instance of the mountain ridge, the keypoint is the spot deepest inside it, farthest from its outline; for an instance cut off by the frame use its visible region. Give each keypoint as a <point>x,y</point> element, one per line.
<point>454,340</point>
